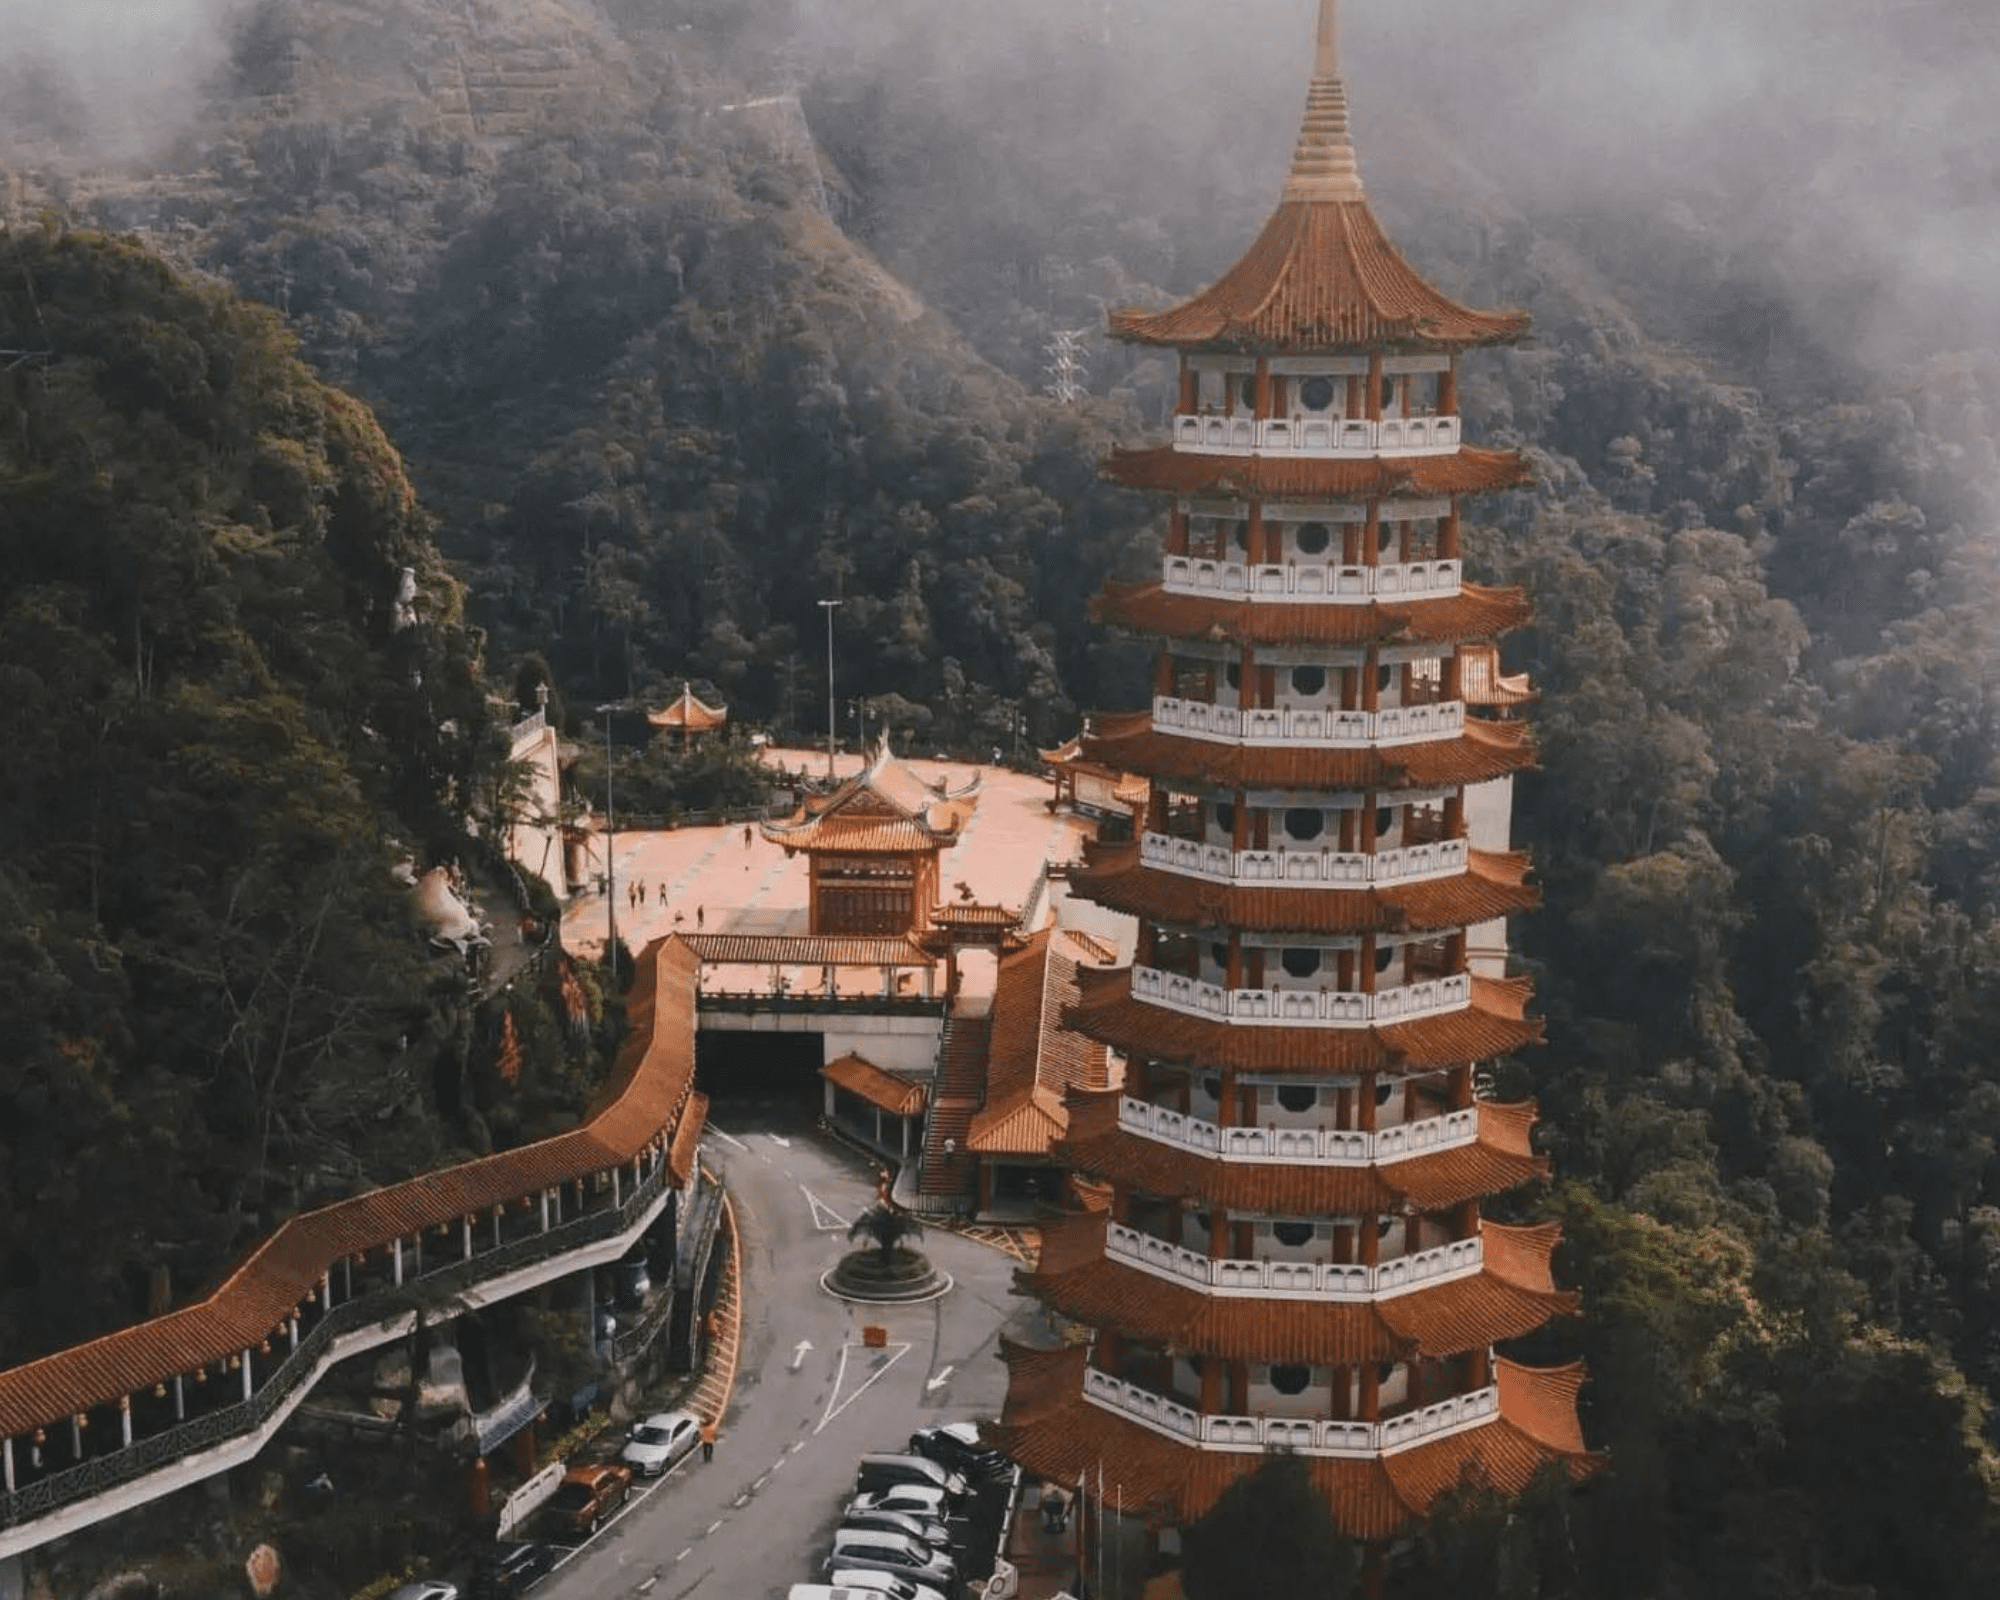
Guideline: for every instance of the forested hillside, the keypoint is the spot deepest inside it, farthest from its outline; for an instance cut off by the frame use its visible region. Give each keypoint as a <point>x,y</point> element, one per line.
<point>677,353</point>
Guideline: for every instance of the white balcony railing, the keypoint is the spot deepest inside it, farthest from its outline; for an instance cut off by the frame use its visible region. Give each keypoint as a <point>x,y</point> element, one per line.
<point>1293,1280</point>
<point>1316,436</point>
<point>1278,1007</point>
<point>1315,727</point>
<point>1310,1436</point>
<point>1217,863</point>
<point>1313,580</point>
<point>1332,1147</point>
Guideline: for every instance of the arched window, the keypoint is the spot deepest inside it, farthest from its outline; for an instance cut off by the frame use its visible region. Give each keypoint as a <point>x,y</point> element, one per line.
<point>1300,962</point>
<point>1292,1234</point>
<point>1308,680</point>
<point>1296,1097</point>
<point>1290,1378</point>
<point>1312,538</point>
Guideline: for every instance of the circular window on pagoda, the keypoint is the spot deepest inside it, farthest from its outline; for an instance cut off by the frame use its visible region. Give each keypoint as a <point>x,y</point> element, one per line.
<point>1290,1378</point>
<point>1304,822</point>
<point>1247,390</point>
<point>1384,956</point>
<point>1382,1093</point>
<point>1239,536</point>
<point>1312,538</point>
<point>1300,963</point>
<point>1385,819</point>
<point>1293,1234</point>
<point>1232,673</point>
<point>1219,954</point>
<point>1296,1097</point>
<point>1225,815</point>
<point>1316,394</point>
<point>1308,680</point>
<point>1211,1085</point>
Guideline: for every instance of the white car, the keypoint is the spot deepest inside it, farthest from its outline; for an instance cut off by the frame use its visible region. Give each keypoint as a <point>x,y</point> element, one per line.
<point>887,1585</point>
<point>657,1442</point>
<point>912,1499</point>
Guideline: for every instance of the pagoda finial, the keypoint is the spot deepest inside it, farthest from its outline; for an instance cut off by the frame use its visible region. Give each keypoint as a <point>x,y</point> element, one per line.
<point>1323,164</point>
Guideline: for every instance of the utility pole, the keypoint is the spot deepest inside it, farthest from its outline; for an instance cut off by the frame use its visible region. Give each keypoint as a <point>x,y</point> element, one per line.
<point>828,606</point>
<point>610,846</point>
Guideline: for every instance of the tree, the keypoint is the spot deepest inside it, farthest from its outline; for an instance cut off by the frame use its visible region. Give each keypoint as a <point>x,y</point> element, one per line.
<point>1272,1533</point>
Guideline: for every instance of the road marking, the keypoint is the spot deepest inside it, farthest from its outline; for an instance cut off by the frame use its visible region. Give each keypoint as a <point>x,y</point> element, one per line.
<point>655,1578</point>
<point>760,1483</point>
<point>797,1446</point>
<point>943,1377</point>
<point>779,1140</point>
<point>895,1354</point>
<point>718,1521</point>
<point>742,1499</point>
<point>728,1138</point>
<point>799,1354</point>
<point>685,1553</point>
<point>825,1218</point>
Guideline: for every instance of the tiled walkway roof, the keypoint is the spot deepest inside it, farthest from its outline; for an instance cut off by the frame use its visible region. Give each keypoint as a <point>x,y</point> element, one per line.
<point>649,1097</point>
<point>900,1097</point>
<point>805,950</point>
<point>1032,1058</point>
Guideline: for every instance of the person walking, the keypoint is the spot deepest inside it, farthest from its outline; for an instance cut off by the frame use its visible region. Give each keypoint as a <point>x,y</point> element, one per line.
<point>708,1431</point>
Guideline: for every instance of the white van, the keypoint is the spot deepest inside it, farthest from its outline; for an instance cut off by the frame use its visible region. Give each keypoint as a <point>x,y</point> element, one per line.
<point>892,1552</point>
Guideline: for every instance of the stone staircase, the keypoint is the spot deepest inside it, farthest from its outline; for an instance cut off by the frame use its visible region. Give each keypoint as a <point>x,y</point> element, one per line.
<point>951,1180</point>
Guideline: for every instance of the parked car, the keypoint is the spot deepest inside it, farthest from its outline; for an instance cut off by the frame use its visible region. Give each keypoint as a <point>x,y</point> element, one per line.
<point>865,1583</point>
<point>860,1584</point>
<point>511,1568</point>
<point>912,1499</point>
<point>878,1472</point>
<point>426,1589</point>
<point>956,1445</point>
<point>589,1492</point>
<point>926,1529</point>
<point>657,1442</point>
<point>893,1552</point>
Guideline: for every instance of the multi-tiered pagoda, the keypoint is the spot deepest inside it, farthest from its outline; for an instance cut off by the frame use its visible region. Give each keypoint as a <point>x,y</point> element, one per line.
<point>1280,1244</point>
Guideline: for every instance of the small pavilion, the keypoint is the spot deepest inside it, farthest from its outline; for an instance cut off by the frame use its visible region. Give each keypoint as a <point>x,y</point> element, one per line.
<point>687,719</point>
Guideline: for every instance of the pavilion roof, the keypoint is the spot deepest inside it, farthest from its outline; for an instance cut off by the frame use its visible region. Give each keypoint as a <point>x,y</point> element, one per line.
<point>1056,1434</point>
<point>884,809</point>
<point>806,950</point>
<point>1493,885</point>
<point>1481,750</point>
<point>1464,471</point>
<point>1511,1295</point>
<point>899,1096</point>
<point>650,1097</point>
<point>1476,613</point>
<point>689,713</point>
<point>1494,1024</point>
<point>1500,1158</point>
<point>1482,682</point>
<point>1322,276</point>
<point>1032,1059</point>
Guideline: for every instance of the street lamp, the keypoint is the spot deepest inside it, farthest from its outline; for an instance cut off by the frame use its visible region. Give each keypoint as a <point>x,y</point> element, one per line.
<point>828,607</point>
<point>610,845</point>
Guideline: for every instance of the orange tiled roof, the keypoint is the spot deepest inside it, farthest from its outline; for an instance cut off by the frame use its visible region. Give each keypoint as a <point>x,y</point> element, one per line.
<point>1032,1058</point>
<point>1493,886</point>
<point>1483,684</point>
<point>1494,1024</point>
<point>1512,1295</point>
<point>1481,751</point>
<point>689,713</point>
<point>1499,1158</point>
<point>1474,613</point>
<point>1464,471</point>
<point>900,1097</point>
<point>884,809</point>
<point>649,1097</point>
<point>1056,1434</point>
<point>806,950</point>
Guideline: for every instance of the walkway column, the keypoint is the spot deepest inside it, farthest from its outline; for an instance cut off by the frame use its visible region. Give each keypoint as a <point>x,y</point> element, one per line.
<point>125,1420</point>
<point>7,1461</point>
<point>465,1236</point>
<point>180,1400</point>
<point>246,1369</point>
<point>617,1191</point>
<point>545,1211</point>
<point>396,1261</point>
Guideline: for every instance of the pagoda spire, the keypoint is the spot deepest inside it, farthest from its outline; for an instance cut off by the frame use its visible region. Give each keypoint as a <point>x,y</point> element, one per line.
<point>1324,167</point>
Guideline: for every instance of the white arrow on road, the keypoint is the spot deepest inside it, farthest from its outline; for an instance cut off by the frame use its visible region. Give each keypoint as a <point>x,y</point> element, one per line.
<point>799,1354</point>
<point>782,1144</point>
<point>943,1377</point>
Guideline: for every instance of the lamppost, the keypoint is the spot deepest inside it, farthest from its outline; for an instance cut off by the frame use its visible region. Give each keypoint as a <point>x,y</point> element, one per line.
<point>610,845</point>
<point>828,607</point>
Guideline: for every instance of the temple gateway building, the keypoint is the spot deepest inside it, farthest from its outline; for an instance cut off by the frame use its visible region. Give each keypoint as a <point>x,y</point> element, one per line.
<point>1274,1240</point>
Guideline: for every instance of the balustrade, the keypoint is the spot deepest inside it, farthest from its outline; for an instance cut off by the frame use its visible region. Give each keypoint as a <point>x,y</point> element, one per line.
<point>1224,434</point>
<point>1311,1436</point>
<point>1314,726</point>
<point>1312,580</point>
<point>1300,1008</point>
<point>1289,865</point>
<point>1335,1147</point>
<point>1293,1280</point>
